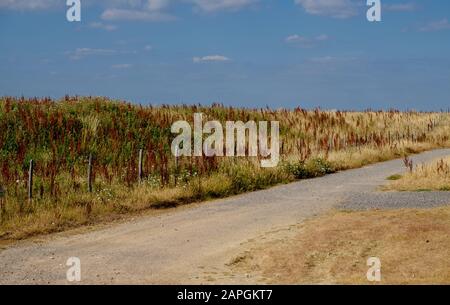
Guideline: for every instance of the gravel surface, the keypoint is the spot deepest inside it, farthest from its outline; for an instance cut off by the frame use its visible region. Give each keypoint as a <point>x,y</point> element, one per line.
<point>182,246</point>
<point>395,200</point>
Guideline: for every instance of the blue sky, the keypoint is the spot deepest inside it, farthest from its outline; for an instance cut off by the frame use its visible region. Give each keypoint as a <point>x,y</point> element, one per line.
<point>252,53</point>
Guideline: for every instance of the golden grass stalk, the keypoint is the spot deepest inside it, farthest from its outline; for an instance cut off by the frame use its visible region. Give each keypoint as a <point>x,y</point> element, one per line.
<point>434,176</point>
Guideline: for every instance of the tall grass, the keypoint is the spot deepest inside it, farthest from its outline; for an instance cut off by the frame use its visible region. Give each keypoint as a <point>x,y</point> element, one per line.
<point>60,135</point>
<point>433,176</point>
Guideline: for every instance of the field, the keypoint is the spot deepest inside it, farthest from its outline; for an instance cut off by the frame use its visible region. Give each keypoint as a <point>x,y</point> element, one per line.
<point>60,136</point>
<point>412,245</point>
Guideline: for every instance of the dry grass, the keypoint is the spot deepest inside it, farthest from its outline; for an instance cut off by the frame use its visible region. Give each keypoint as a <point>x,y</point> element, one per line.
<point>358,157</point>
<point>59,137</point>
<point>117,201</point>
<point>434,176</point>
<point>113,202</point>
<point>413,246</point>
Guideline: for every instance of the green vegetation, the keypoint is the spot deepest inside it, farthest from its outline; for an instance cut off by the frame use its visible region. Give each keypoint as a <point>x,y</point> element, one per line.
<point>60,136</point>
<point>312,168</point>
<point>394,177</point>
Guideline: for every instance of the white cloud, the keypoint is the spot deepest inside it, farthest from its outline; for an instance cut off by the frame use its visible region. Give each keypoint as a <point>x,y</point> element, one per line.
<point>80,53</point>
<point>220,5</point>
<point>306,42</point>
<point>210,58</point>
<point>323,59</point>
<point>156,10</point>
<point>135,15</point>
<point>400,7</point>
<point>333,8</point>
<point>435,26</point>
<point>295,38</point>
<point>102,26</point>
<point>28,4</point>
<point>321,37</point>
<point>137,10</point>
<point>141,10</point>
<point>157,5</point>
<point>149,5</point>
<point>122,66</point>
<point>327,60</point>
<point>148,48</point>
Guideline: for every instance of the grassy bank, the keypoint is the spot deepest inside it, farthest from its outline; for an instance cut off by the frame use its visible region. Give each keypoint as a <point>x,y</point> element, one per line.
<point>434,176</point>
<point>59,137</point>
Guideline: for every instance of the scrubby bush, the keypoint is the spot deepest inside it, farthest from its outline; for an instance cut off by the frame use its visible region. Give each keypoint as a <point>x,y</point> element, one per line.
<point>313,168</point>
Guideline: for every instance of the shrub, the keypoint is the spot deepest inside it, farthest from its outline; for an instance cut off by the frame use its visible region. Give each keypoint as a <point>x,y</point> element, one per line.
<point>313,168</point>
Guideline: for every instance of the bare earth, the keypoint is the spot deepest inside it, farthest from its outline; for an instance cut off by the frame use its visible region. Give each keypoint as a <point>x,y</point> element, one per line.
<point>195,245</point>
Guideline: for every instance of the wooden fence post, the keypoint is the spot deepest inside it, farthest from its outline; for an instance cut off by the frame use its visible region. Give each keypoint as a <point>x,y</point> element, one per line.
<point>2,204</point>
<point>176,165</point>
<point>30,180</point>
<point>89,178</point>
<point>140,165</point>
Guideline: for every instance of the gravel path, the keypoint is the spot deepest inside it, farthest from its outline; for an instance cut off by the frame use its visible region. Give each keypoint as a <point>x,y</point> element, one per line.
<point>182,246</point>
<point>395,200</point>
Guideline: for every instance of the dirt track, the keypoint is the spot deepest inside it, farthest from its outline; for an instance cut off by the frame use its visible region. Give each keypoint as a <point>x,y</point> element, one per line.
<point>194,245</point>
